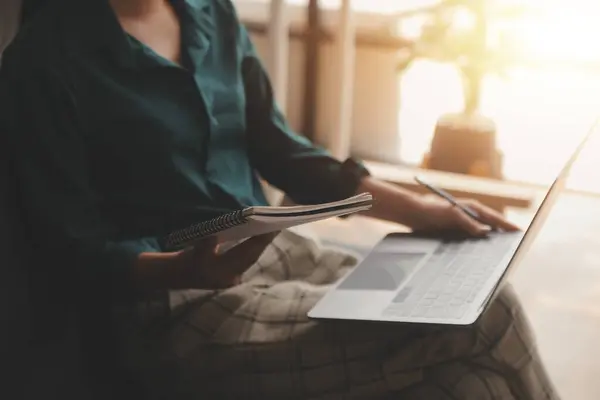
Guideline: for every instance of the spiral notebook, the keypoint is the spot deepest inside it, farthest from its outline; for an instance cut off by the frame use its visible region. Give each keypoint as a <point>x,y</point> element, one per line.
<point>253,221</point>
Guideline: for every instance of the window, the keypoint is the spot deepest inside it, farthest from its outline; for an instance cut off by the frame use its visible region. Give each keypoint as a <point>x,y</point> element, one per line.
<point>542,107</point>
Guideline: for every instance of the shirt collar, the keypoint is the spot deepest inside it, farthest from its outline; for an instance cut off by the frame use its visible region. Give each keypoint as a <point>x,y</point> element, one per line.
<point>97,28</point>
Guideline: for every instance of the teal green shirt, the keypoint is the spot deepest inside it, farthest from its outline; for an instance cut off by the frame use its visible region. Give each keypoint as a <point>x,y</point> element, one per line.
<point>116,146</point>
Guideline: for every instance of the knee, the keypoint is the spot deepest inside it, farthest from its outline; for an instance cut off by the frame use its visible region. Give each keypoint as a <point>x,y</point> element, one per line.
<point>504,325</point>
<point>460,381</point>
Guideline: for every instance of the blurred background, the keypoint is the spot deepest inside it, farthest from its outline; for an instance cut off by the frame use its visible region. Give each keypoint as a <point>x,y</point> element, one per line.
<point>537,64</point>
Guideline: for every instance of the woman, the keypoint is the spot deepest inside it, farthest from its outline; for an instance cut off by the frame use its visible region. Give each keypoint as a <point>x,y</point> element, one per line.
<point>132,118</point>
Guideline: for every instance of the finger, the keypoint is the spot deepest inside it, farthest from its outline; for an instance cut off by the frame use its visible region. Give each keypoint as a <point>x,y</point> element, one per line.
<point>240,258</point>
<point>227,246</point>
<point>492,217</point>
<point>469,224</point>
<point>256,244</point>
<point>205,248</point>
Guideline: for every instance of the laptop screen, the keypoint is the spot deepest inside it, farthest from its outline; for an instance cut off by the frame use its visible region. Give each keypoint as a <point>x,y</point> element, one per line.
<point>549,201</point>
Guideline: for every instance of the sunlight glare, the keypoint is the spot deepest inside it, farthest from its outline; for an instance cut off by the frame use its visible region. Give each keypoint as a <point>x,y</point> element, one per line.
<point>559,35</point>
<point>464,19</point>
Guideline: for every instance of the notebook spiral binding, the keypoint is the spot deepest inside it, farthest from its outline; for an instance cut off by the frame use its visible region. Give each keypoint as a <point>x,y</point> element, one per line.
<point>181,237</point>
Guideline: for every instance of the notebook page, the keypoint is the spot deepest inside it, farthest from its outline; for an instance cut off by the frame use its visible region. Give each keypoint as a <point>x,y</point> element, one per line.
<point>258,225</point>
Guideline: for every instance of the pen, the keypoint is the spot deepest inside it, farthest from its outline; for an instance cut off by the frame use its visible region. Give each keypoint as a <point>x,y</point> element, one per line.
<point>448,197</point>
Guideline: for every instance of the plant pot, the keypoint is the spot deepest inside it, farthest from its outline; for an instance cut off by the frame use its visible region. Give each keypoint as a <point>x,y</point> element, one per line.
<point>465,144</point>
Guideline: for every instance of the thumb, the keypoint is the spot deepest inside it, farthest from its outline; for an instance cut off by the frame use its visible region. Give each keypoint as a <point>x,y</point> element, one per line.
<point>470,225</point>
<point>257,243</point>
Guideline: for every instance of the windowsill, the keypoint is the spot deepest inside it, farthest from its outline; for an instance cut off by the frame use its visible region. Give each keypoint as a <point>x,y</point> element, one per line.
<point>496,194</point>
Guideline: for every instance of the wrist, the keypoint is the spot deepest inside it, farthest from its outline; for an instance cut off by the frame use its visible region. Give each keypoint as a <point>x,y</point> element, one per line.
<point>406,208</point>
<point>393,203</point>
<point>414,212</point>
<point>176,274</point>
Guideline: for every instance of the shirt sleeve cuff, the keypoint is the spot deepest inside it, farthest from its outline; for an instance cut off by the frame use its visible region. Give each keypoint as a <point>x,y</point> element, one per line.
<point>127,301</point>
<point>123,256</point>
<point>353,172</point>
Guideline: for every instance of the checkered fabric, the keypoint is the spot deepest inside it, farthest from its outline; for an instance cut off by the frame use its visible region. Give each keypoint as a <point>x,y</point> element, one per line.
<point>254,341</point>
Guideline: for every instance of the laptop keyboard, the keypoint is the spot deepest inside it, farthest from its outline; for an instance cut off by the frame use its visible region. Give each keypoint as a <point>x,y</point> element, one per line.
<point>446,286</point>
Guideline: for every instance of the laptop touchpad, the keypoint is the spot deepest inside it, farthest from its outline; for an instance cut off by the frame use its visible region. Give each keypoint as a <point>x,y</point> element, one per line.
<point>383,270</point>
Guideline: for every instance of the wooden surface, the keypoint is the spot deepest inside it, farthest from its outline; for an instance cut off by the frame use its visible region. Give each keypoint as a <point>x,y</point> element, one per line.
<point>494,193</point>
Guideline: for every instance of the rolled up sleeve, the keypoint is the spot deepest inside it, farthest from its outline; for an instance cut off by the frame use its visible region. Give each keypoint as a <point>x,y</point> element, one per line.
<point>304,171</point>
<point>62,209</point>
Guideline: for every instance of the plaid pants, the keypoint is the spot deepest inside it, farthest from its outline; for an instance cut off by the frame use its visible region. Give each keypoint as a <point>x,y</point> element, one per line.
<point>254,341</point>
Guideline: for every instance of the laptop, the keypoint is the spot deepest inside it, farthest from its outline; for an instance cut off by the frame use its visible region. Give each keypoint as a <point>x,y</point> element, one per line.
<point>447,280</point>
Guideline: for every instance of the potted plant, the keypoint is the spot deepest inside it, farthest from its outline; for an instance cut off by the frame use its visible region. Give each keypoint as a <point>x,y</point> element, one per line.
<point>458,32</point>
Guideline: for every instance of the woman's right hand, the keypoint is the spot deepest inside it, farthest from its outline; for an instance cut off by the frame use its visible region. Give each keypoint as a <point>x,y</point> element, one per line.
<point>202,267</point>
